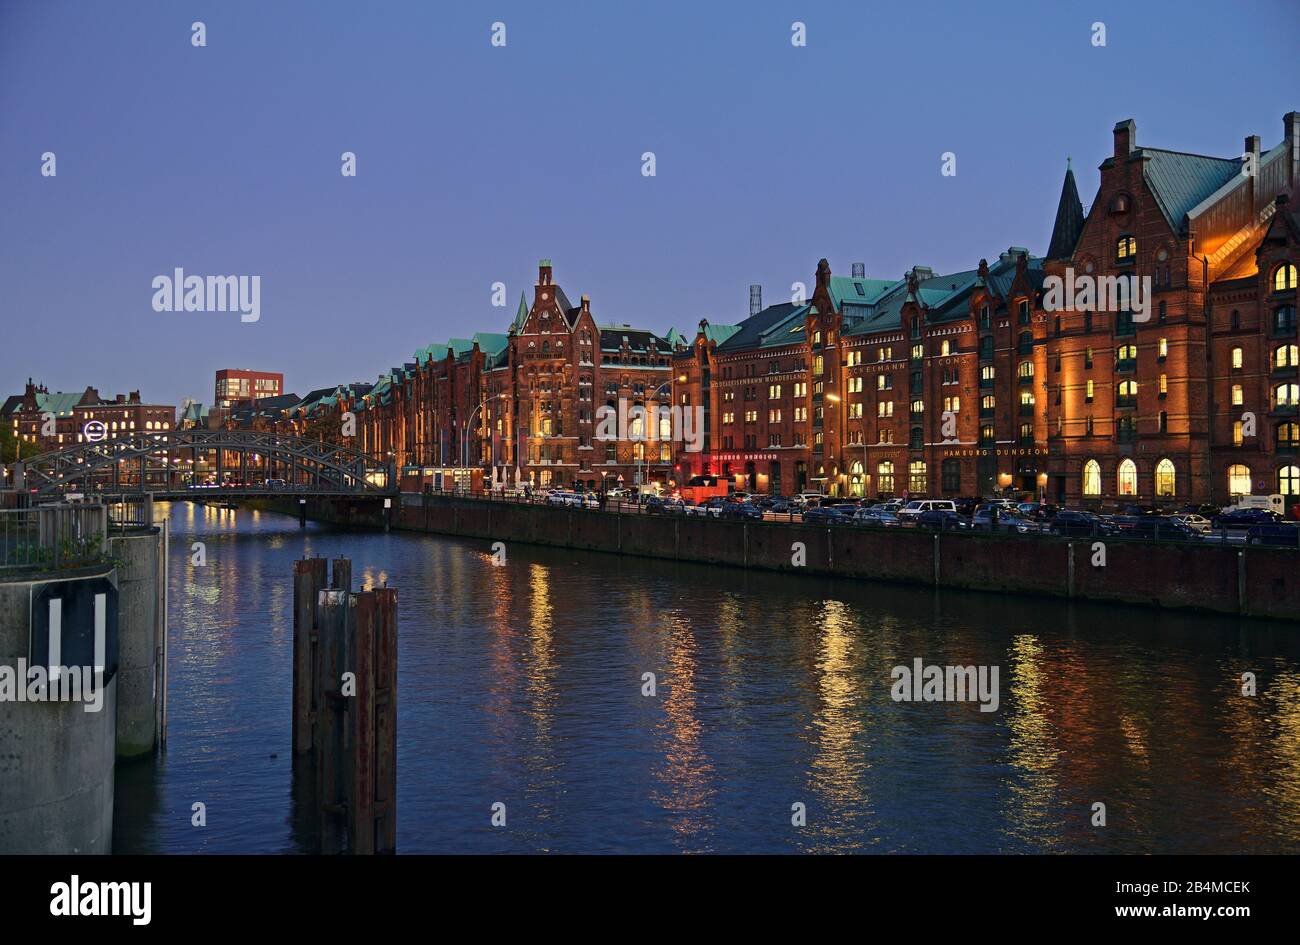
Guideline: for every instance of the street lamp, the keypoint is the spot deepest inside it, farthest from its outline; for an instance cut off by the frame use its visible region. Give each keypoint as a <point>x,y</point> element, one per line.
<point>653,419</point>
<point>464,433</point>
<point>862,427</point>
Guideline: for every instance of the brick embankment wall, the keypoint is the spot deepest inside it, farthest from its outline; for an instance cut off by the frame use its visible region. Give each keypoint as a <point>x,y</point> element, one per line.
<point>1255,581</point>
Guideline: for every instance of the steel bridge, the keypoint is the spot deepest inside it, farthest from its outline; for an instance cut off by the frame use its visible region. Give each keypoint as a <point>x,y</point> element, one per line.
<point>203,464</point>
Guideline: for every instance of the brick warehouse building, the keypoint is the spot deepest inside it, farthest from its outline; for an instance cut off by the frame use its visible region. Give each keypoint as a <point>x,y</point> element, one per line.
<point>964,384</point>
<point>968,383</point>
<point>522,406</point>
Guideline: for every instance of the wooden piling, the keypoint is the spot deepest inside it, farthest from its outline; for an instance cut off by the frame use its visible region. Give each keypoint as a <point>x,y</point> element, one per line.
<point>352,725</point>
<point>308,580</point>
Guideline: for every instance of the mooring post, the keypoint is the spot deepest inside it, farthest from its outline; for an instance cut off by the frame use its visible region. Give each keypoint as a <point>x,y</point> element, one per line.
<point>337,620</point>
<point>308,580</point>
<point>386,720</point>
<point>341,579</point>
<point>359,763</point>
<point>302,513</point>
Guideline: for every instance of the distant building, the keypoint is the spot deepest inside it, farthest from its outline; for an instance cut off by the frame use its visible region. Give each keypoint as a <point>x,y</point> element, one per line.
<point>30,414</point>
<point>236,386</point>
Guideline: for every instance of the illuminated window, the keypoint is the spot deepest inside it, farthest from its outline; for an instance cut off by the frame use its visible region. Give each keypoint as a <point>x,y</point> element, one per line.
<point>1288,480</point>
<point>1284,277</point>
<point>818,366</point>
<point>1088,391</point>
<point>987,373</point>
<point>1026,369</point>
<point>1164,347</point>
<point>885,408</point>
<point>1237,436</point>
<point>1286,356</point>
<point>1164,384</point>
<point>1286,395</point>
<point>885,476</point>
<point>916,479</point>
<point>1092,477</point>
<point>1238,358</point>
<point>1127,478</point>
<point>952,404</point>
<point>1237,397</point>
<point>944,349</point>
<point>1125,248</point>
<point>1166,478</point>
<point>1238,480</point>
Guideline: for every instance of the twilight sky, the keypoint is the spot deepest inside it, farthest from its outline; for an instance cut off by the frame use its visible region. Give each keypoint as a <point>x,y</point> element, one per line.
<point>474,161</point>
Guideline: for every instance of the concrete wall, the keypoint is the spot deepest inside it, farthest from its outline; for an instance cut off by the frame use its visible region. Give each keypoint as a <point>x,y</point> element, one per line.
<point>56,759</point>
<point>138,622</point>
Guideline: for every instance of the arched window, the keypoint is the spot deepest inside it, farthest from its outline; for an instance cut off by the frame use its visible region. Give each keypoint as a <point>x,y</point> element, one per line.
<point>855,479</point>
<point>1284,277</point>
<point>1238,480</point>
<point>1286,395</point>
<point>1288,480</point>
<point>945,348</point>
<point>1284,319</point>
<point>1166,479</point>
<point>1026,369</point>
<point>1127,478</point>
<point>1092,477</point>
<point>1286,356</point>
<point>885,476</point>
<point>1125,248</point>
<point>1238,359</point>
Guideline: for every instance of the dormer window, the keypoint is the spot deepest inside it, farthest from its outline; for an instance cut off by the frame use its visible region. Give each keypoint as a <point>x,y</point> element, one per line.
<point>1284,278</point>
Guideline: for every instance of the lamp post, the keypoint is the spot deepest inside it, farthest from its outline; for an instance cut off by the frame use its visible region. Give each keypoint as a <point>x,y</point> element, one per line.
<point>469,424</point>
<point>862,427</point>
<point>652,419</point>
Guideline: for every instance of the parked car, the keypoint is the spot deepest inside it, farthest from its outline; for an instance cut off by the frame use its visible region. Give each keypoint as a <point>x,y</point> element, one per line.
<point>1276,533</point>
<point>742,511</point>
<point>1242,520</point>
<point>674,506</point>
<point>563,498</point>
<point>1194,520</point>
<point>653,505</point>
<point>1072,524</point>
<point>825,516</point>
<point>848,508</point>
<point>1007,520</point>
<point>941,520</point>
<point>276,484</point>
<point>805,500</point>
<point>879,516</point>
<point>913,509</point>
<point>780,507</point>
<point>1159,528</point>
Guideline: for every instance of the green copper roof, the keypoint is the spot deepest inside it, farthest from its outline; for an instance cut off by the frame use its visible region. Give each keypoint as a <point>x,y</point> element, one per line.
<point>858,291</point>
<point>59,403</point>
<point>1181,181</point>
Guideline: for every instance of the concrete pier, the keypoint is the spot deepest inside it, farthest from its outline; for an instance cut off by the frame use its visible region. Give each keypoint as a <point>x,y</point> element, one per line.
<point>56,759</point>
<point>141,623</point>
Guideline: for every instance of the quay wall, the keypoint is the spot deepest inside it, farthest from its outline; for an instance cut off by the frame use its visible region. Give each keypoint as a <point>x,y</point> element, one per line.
<point>1232,579</point>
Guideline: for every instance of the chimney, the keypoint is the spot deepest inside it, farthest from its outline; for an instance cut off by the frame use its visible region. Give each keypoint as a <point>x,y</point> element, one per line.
<point>755,299</point>
<point>823,274</point>
<point>1126,133</point>
<point>1291,129</point>
<point>859,270</point>
<point>544,272</point>
<point>585,303</point>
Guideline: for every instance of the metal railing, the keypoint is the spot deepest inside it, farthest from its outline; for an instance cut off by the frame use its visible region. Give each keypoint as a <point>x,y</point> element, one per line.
<point>53,537</point>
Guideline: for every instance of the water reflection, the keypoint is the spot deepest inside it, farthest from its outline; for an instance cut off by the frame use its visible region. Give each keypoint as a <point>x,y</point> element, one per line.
<point>522,685</point>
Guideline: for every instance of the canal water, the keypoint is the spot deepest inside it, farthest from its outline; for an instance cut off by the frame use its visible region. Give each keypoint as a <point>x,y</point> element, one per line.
<point>523,685</point>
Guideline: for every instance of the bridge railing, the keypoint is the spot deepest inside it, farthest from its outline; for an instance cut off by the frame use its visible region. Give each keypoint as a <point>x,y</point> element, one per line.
<point>52,537</point>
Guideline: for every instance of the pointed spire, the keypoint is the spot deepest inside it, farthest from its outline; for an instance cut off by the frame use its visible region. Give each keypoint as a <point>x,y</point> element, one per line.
<point>1069,219</point>
<point>521,314</point>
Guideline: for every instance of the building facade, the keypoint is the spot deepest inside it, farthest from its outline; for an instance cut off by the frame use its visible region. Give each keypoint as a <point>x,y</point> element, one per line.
<point>237,386</point>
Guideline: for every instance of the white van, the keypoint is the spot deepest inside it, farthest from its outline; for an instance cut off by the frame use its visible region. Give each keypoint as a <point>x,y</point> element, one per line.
<point>1274,503</point>
<point>917,506</point>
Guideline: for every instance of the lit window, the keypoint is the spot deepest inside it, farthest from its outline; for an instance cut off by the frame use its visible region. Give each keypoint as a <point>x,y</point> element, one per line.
<point>1288,479</point>
<point>1238,480</point>
<point>1166,477</point>
<point>1127,479</point>
<point>1092,478</point>
<point>1284,277</point>
<point>1164,383</point>
<point>1125,248</point>
<point>1238,358</point>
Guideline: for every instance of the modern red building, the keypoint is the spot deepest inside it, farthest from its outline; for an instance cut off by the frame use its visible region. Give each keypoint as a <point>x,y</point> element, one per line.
<point>237,386</point>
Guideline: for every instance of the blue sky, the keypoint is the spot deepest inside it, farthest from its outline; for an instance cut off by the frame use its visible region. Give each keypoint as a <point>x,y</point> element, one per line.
<point>474,161</point>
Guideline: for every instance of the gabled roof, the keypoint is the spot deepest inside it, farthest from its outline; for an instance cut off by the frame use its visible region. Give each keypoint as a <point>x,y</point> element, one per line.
<point>779,324</point>
<point>59,403</point>
<point>1181,181</point>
